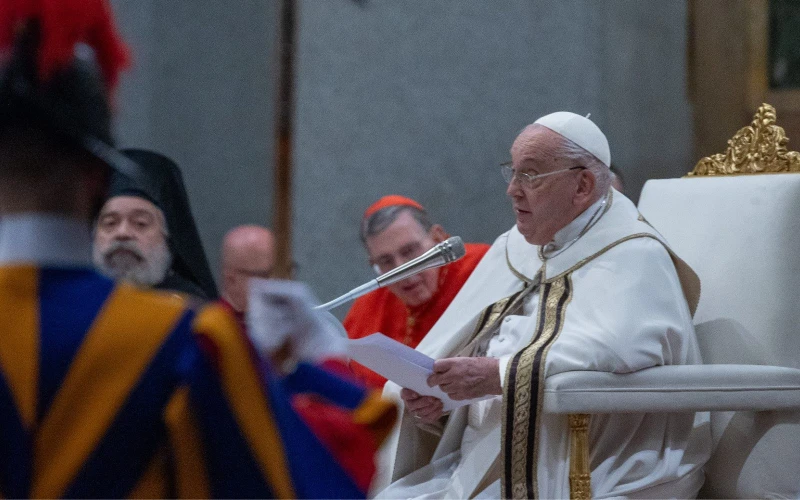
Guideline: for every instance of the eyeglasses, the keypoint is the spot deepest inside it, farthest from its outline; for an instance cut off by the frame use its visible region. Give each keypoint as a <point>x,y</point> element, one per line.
<point>387,262</point>
<point>525,179</point>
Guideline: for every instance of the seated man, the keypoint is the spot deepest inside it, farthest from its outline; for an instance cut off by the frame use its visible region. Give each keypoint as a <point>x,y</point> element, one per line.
<point>146,234</point>
<point>249,252</point>
<point>395,230</point>
<point>581,283</point>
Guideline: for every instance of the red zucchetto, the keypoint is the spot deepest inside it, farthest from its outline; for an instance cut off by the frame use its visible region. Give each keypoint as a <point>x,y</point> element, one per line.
<point>391,200</point>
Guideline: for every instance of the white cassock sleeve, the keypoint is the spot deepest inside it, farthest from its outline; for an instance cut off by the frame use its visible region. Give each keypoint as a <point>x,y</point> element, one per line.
<point>628,312</point>
<point>503,363</point>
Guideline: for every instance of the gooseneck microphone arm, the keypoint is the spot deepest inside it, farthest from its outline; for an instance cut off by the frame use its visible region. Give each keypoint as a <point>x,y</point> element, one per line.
<point>445,252</point>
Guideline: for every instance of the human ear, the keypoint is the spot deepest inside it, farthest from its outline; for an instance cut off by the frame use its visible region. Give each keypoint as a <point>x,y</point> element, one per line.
<point>586,186</point>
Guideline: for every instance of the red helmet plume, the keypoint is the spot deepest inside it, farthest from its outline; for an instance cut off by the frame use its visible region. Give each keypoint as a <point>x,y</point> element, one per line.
<point>63,25</point>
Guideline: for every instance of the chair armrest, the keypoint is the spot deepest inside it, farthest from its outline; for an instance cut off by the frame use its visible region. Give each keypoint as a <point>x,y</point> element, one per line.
<point>668,389</point>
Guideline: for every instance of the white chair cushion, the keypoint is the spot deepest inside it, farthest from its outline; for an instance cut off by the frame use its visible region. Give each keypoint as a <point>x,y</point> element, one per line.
<point>675,389</point>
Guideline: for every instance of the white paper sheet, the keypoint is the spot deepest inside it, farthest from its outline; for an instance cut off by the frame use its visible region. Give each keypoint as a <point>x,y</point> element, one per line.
<point>401,364</point>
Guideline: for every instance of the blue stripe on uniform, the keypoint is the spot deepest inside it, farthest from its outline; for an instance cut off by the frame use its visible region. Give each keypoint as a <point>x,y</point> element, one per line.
<point>308,378</point>
<point>306,455</point>
<point>15,446</point>
<point>117,463</point>
<point>69,301</point>
<point>233,472</point>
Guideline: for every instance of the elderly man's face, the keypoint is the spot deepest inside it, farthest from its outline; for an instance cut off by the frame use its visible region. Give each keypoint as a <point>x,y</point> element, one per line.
<point>547,205</point>
<point>403,240</point>
<point>248,252</point>
<point>130,241</point>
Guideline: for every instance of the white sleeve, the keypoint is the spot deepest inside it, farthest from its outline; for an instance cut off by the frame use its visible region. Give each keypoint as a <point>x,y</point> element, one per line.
<point>503,362</point>
<point>514,334</point>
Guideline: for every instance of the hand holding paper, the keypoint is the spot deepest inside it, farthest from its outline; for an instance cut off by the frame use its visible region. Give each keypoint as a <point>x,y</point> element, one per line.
<point>402,365</point>
<point>426,408</point>
<point>467,378</point>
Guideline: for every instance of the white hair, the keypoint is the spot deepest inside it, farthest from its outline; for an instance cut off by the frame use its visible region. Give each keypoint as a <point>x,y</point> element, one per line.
<point>570,151</point>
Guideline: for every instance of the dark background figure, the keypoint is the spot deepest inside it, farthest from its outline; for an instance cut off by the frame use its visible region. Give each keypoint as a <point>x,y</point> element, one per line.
<point>145,217</point>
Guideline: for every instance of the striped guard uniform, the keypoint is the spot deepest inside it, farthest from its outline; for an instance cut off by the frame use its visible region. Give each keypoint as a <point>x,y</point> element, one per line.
<point>110,391</point>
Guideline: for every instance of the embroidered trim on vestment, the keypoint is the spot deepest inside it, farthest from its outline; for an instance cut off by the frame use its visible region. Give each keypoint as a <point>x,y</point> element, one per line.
<point>491,317</point>
<point>514,270</point>
<point>524,391</point>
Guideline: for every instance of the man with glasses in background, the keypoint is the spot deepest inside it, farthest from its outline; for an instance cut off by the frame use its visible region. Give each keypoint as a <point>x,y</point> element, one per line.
<point>395,230</point>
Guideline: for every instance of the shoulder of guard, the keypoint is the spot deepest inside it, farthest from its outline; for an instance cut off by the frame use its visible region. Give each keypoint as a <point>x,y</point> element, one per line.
<point>151,298</point>
<point>217,323</point>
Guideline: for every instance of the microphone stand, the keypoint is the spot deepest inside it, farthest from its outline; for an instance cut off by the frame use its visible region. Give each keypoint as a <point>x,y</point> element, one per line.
<point>445,252</point>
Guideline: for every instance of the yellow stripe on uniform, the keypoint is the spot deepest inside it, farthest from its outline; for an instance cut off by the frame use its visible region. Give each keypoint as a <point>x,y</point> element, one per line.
<point>245,393</point>
<point>19,343</point>
<point>119,346</point>
<point>376,413</point>
<point>186,442</point>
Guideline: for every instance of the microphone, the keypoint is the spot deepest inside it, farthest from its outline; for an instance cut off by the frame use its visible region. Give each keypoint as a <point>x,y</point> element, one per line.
<point>445,252</point>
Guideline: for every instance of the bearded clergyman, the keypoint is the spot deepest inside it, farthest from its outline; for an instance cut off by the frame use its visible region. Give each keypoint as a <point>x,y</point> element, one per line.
<point>582,282</point>
<point>145,232</point>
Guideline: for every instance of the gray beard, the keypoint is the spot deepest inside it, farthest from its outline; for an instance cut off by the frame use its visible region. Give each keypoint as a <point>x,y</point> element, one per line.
<point>135,265</point>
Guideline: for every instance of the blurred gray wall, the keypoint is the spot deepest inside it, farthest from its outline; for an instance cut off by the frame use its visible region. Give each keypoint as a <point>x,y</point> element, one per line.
<point>425,98</point>
<point>201,92</point>
<point>412,97</point>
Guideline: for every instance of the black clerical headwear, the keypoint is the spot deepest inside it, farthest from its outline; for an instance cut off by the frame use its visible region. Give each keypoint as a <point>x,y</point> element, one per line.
<point>59,64</point>
<point>161,183</point>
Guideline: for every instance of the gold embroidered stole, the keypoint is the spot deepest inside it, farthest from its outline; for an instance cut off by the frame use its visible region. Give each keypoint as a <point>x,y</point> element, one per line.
<point>490,318</point>
<point>524,391</point>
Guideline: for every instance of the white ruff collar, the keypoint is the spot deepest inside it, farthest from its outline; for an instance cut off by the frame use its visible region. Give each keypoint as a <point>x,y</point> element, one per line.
<point>45,239</point>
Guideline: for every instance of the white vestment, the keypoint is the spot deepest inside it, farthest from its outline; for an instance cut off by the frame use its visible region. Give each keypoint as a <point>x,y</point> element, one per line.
<point>619,306</point>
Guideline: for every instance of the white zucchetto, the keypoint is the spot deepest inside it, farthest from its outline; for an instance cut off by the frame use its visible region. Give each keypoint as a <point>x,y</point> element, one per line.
<point>582,131</point>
